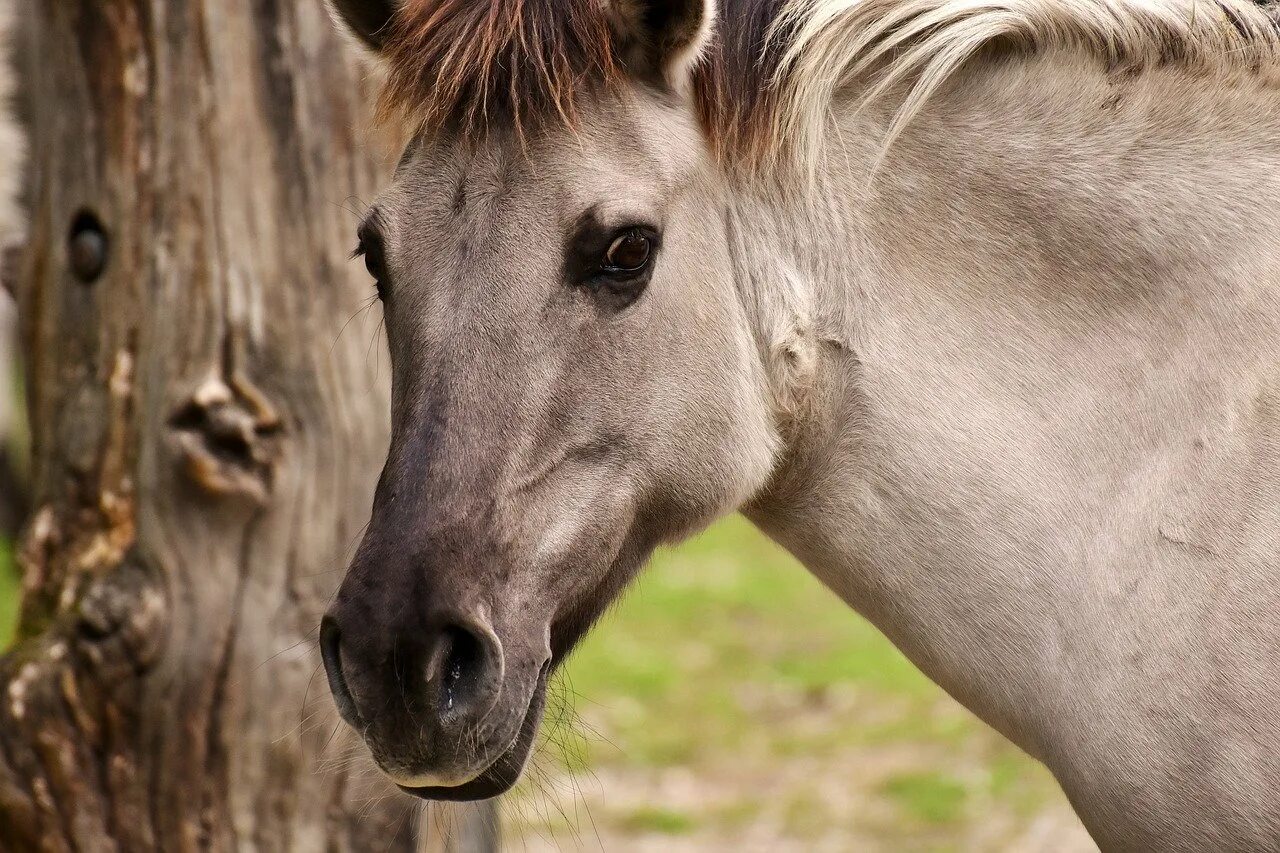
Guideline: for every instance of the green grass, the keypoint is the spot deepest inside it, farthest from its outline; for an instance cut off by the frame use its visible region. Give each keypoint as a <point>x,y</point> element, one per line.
<point>9,594</point>
<point>930,797</point>
<point>664,821</point>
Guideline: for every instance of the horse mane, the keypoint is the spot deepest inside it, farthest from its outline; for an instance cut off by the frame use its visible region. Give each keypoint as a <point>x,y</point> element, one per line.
<point>765,86</point>
<point>916,46</point>
<point>465,63</point>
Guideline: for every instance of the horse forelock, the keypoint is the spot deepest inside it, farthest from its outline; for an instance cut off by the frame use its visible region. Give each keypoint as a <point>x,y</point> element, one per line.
<point>469,63</point>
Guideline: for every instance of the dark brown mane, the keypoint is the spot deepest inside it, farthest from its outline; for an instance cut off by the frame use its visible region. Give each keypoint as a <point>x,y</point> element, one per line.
<point>734,84</point>
<point>466,64</point>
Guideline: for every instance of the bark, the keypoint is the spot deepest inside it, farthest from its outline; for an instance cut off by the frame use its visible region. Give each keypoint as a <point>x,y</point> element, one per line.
<point>205,435</point>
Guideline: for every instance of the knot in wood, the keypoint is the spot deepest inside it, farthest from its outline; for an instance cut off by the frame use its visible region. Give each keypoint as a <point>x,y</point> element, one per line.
<point>87,247</point>
<point>226,434</point>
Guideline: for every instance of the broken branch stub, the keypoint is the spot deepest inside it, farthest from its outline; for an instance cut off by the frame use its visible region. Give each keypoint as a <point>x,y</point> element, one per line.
<point>227,438</point>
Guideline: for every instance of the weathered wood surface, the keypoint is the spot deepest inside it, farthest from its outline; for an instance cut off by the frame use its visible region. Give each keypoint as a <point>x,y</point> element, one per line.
<point>205,433</point>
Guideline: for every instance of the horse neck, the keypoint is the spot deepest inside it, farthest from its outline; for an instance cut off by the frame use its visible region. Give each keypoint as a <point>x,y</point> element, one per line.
<point>1000,360</point>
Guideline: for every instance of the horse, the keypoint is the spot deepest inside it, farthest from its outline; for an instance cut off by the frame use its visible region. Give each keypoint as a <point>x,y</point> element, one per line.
<point>972,305</point>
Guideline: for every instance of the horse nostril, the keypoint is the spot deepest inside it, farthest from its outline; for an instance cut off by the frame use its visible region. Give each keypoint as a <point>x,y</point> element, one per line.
<point>464,673</point>
<point>331,654</point>
<point>464,659</point>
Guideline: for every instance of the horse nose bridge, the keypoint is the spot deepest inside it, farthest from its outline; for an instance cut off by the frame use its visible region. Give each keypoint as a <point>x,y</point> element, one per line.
<point>455,440</point>
<point>440,557</point>
<point>449,485</point>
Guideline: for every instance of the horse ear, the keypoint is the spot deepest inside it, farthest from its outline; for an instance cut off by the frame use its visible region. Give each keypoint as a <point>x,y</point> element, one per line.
<point>367,20</point>
<point>663,37</point>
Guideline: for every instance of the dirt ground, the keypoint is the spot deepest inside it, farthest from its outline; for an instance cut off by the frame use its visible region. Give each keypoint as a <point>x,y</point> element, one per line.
<point>635,811</point>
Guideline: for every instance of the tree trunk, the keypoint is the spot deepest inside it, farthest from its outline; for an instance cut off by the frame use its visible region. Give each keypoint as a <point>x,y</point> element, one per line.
<point>205,433</point>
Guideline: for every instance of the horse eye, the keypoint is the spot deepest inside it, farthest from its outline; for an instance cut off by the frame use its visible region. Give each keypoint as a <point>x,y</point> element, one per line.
<point>629,252</point>
<point>373,264</point>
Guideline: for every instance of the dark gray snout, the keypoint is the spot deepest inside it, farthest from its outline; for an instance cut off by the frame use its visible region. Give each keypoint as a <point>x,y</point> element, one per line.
<point>428,688</point>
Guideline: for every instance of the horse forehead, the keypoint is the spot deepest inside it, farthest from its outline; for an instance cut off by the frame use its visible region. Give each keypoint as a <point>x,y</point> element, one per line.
<point>460,181</point>
<point>619,144</point>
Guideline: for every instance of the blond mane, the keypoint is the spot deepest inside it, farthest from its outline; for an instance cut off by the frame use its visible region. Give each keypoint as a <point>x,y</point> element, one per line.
<point>917,45</point>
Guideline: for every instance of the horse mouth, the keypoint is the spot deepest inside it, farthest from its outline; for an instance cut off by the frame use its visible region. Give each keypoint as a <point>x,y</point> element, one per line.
<point>505,771</point>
